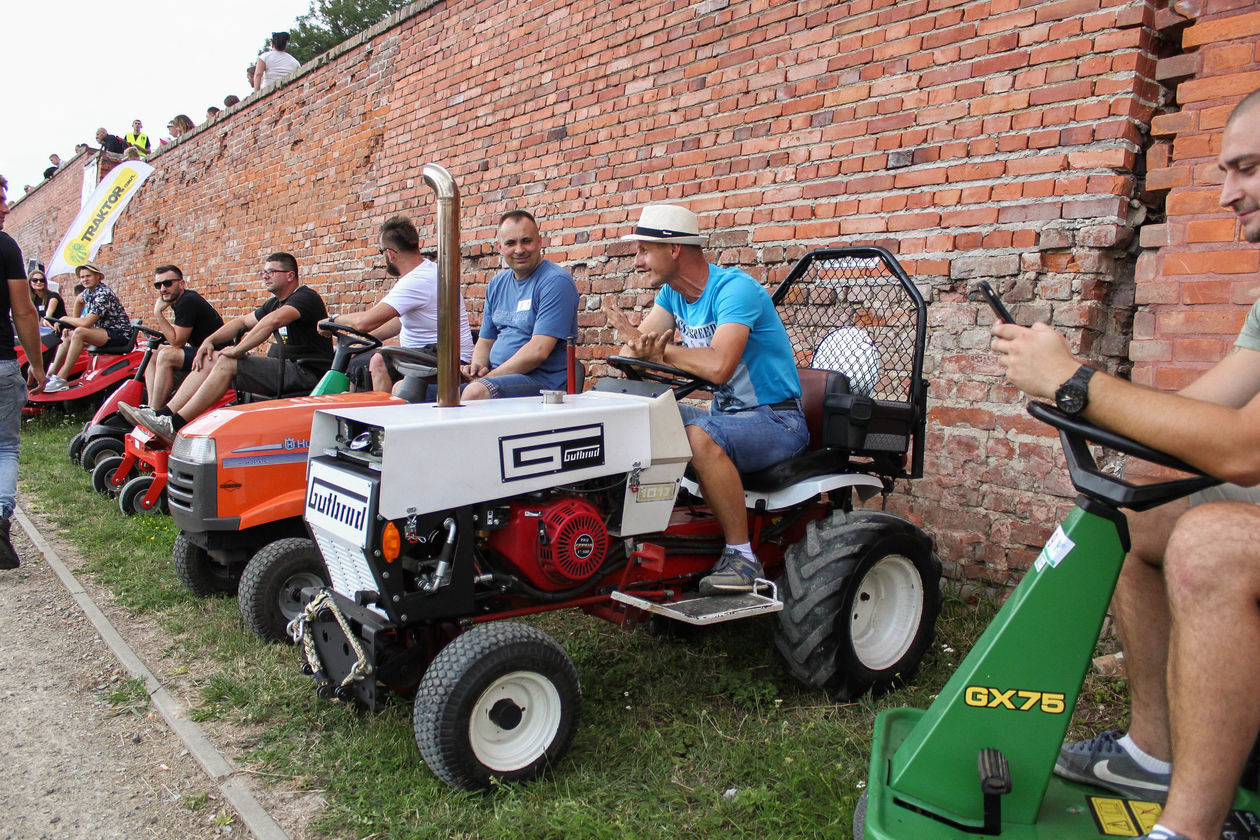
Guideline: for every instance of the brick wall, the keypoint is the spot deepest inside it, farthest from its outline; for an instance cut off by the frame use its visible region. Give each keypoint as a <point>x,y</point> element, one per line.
<point>1001,139</point>
<point>1194,281</point>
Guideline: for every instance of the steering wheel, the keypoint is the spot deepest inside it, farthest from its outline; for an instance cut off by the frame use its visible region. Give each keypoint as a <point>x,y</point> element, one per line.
<point>151,333</point>
<point>349,340</point>
<point>1092,481</point>
<point>680,380</point>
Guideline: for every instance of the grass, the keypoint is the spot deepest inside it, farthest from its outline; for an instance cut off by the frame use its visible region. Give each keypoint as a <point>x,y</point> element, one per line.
<point>701,737</point>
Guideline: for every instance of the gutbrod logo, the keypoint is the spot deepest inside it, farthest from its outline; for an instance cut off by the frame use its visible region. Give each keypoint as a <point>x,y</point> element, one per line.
<point>544,453</point>
<point>339,505</point>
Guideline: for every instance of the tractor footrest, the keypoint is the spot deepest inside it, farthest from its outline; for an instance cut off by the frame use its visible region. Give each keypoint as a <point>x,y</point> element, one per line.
<point>709,609</point>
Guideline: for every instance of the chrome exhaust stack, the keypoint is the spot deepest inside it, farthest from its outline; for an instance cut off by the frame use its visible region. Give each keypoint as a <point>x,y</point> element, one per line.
<point>443,185</point>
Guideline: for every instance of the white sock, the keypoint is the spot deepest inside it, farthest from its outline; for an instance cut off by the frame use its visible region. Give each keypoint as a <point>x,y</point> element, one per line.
<point>1147,762</point>
<point>746,550</point>
<point>1161,832</point>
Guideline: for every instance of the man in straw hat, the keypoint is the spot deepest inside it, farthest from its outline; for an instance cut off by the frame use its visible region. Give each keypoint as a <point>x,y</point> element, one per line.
<point>103,321</point>
<point>731,336</point>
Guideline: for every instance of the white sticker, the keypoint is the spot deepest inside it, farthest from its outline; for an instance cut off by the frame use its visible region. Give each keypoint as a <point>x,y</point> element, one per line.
<point>524,305</point>
<point>1058,547</point>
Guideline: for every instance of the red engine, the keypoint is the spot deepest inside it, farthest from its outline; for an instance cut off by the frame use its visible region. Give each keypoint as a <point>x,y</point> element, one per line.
<point>553,544</point>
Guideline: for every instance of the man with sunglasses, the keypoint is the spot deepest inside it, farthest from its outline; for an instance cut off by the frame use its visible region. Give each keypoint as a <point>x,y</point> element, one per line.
<point>298,357</point>
<point>195,320</point>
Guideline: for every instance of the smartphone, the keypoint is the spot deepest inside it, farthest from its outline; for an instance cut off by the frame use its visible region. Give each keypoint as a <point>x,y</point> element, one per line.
<point>995,303</point>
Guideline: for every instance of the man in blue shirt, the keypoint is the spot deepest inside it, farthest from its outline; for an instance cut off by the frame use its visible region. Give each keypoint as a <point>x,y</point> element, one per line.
<point>731,336</point>
<point>530,312</point>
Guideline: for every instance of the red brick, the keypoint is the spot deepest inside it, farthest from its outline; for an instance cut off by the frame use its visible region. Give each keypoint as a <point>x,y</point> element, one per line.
<point>1233,261</point>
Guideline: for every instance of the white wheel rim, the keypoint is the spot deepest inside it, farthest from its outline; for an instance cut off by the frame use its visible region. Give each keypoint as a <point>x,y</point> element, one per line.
<point>886,611</point>
<point>514,721</point>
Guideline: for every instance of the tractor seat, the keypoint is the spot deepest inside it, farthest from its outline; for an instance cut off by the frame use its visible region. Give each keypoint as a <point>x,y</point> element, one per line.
<point>818,459</point>
<point>117,349</point>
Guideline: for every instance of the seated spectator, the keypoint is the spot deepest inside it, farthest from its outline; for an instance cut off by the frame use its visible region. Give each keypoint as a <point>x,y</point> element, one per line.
<point>137,139</point>
<point>231,99</point>
<point>211,113</point>
<point>56,164</point>
<point>108,142</point>
<point>80,148</point>
<point>274,64</point>
<point>181,124</point>
<point>193,320</point>
<point>132,153</point>
<point>103,321</point>
<point>48,308</point>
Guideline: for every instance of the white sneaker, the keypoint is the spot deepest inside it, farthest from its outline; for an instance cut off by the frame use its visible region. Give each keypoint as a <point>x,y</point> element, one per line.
<point>55,383</point>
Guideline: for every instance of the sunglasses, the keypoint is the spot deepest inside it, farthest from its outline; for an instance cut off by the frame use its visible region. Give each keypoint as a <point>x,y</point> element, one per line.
<point>164,284</point>
<point>38,280</point>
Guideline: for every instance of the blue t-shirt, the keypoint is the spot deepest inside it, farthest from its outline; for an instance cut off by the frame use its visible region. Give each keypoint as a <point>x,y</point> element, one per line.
<point>544,303</point>
<point>766,373</point>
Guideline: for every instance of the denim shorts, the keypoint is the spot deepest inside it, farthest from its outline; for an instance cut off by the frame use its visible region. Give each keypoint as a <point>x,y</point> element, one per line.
<point>513,385</point>
<point>753,439</point>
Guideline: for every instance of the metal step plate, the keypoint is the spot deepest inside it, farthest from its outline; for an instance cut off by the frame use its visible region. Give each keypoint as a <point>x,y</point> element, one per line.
<point>710,609</point>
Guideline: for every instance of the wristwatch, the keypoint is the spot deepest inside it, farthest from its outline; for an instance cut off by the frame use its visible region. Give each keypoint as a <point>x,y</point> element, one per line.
<point>1073,395</point>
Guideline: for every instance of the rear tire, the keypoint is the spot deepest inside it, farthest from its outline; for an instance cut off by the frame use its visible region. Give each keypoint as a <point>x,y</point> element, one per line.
<point>201,574</point>
<point>76,449</point>
<point>271,585</point>
<point>103,476</point>
<point>95,451</point>
<point>500,702</point>
<point>131,497</point>
<point>861,594</point>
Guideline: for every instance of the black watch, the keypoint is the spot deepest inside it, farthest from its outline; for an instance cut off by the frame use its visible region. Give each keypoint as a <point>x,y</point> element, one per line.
<point>1073,395</point>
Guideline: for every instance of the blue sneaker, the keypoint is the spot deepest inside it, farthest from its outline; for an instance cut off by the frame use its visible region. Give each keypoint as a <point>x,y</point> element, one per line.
<point>1103,763</point>
<point>733,572</point>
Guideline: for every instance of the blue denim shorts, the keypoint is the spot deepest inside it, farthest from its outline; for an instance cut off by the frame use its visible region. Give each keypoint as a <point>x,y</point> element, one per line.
<point>753,439</point>
<point>513,385</point>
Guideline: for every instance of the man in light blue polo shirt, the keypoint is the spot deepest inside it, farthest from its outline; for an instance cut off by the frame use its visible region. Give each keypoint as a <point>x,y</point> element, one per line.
<point>530,313</point>
<point>731,336</point>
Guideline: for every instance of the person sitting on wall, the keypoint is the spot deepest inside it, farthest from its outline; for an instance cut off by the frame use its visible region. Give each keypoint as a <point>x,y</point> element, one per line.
<point>410,307</point>
<point>733,337</point>
<point>299,354</point>
<point>530,313</point>
<point>137,139</point>
<point>1186,600</point>
<point>55,160</point>
<point>194,320</point>
<point>275,64</point>
<point>103,320</point>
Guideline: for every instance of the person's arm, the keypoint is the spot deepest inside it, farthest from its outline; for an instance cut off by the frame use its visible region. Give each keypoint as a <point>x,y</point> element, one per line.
<point>368,320</point>
<point>56,309</point>
<point>263,328</point>
<point>480,364</point>
<point>171,332</point>
<point>223,335</point>
<point>259,69</point>
<point>1221,440</point>
<point>26,325</point>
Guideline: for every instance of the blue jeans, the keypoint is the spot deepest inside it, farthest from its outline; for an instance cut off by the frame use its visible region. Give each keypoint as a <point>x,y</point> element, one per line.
<point>13,396</point>
<point>753,439</point>
<point>513,385</point>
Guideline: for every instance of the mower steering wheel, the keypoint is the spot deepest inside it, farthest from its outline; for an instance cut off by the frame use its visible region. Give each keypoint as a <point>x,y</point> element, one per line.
<point>150,332</point>
<point>352,341</point>
<point>682,382</point>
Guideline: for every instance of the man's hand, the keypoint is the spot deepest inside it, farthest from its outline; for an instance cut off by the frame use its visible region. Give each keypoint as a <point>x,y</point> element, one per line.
<point>234,351</point>
<point>650,346</point>
<point>617,319</point>
<point>1036,359</point>
<point>35,378</point>
<point>473,371</point>
<point>205,356</point>
<point>159,305</point>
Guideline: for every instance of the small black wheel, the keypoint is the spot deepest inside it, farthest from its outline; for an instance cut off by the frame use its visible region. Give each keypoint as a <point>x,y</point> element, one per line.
<point>95,451</point>
<point>103,479</point>
<point>200,573</point>
<point>861,592</point>
<point>131,497</point>
<point>75,450</point>
<point>270,594</point>
<point>500,702</point>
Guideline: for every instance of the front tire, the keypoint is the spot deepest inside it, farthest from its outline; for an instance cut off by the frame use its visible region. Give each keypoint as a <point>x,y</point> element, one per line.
<point>95,451</point>
<point>75,450</point>
<point>499,703</point>
<point>861,594</point>
<point>131,497</point>
<point>201,574</point>
<point>103,479</point>
<point>272,583</point>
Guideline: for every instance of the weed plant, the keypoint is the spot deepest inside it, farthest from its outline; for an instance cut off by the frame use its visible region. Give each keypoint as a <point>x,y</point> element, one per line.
<point>696,735</point>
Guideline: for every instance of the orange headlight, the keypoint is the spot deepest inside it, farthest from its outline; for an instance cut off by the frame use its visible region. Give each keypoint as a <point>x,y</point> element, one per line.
<point>391,542</point>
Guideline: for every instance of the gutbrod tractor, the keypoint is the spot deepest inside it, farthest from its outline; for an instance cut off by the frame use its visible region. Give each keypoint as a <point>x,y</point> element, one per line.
<point>438,521</point>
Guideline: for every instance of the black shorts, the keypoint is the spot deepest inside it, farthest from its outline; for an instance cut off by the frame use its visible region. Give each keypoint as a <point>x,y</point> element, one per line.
<point>261,375</point>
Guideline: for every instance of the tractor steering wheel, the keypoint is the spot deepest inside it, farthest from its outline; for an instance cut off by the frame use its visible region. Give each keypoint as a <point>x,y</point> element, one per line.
<point>151,333</point>
<point>349,340</point>
<point>680,380</point>
<point>1093,481</point>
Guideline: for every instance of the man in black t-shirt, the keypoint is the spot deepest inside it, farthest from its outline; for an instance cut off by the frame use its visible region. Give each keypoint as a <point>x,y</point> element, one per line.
<point>195,320</point>
<point>15,297</point>
<point>109,142</point>
<point>299,355</point>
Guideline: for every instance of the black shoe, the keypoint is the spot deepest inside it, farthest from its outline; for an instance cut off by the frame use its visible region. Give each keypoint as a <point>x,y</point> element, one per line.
<point>8,557</point>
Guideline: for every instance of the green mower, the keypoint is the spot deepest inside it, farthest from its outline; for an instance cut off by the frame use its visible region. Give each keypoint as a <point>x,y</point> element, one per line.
<point>979,760</point>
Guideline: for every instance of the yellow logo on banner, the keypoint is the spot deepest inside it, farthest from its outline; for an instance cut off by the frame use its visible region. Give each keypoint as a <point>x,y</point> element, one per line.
<point>78,249</point>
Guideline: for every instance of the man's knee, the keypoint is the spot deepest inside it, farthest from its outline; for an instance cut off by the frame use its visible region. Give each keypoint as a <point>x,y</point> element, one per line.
<point>1214,546</point>
<point>703,447</point>
<point>476,391</point>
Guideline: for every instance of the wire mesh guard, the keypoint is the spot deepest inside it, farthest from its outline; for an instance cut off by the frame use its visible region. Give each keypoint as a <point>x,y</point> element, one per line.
<point>847,310</point>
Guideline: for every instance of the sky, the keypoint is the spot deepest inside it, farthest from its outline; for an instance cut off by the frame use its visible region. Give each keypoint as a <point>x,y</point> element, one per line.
<point>73,66</point>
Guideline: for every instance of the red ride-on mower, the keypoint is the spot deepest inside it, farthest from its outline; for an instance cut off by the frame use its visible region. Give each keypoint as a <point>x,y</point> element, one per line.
<point>102,436</point>
<point>108,365</point>
<point>439,522</point>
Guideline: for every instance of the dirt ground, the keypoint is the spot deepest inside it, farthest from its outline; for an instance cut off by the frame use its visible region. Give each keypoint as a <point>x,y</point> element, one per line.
<point>77,765</point>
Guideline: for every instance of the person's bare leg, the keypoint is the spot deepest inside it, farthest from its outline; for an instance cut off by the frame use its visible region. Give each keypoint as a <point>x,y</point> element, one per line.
<point>381,380</point>
<point>720,482</point>
<point>476,391</point>
<point>78,338</point>
<point>160,375</point>
<point>1213,572</point>
<point>214,385</point>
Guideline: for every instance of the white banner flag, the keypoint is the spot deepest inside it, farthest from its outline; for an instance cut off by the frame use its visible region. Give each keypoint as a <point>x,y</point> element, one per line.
<point>94,225</point>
